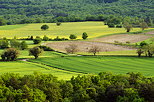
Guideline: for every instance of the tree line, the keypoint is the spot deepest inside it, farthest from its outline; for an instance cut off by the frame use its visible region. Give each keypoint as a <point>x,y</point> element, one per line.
<point>104,87</point>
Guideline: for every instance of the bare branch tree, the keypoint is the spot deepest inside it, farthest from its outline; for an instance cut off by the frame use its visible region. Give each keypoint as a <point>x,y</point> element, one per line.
<point>72,48</point>
<point>94,50</point>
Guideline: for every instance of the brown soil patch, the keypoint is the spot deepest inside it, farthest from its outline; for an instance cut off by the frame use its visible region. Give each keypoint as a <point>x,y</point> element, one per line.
<point>84,46</point>
<point>151,32</point>
<point>132,38</point>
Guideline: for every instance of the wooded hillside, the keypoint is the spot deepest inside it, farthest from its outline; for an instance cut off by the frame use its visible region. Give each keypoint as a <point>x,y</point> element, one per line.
<point>43,10</point>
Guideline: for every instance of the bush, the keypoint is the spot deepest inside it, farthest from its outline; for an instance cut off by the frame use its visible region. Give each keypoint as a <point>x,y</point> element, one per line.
<point>4,44</point>
<point>118,26</point>
<point>59,39</point>
<point>72,36</point>
<point>44,27</point>
<point>111,25</point>
<point>45,38</point>
<point>23,45</point>
<point>10,54</point>
<point>58,23</point>
<point>84,35</point>
<point>37,40</point>
<point>35,51</point>
<point>46,48</point>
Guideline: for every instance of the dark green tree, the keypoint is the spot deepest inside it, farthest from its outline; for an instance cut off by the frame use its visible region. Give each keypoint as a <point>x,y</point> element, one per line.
<point>23,45</point>
<point>45,38</point>
<point>44,27</point>
<point>35,51</point>
<point>84,35</point>
<point>10,54</point>
<point>72,36</point>
<point>2,21</point>
<point>37,40</point>
<point>128,27</point>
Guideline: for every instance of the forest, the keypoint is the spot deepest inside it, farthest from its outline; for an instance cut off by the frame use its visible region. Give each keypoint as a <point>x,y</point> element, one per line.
<point>38,11</point>
<point>104,87</point>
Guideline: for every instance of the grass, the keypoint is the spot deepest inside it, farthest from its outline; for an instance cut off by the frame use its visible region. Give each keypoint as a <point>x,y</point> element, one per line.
<point>24,68</point>
<point>94,29</point>
<point>96,64</point>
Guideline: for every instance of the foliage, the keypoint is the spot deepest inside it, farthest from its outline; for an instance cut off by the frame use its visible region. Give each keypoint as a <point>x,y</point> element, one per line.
<point>10,54</point>
<point>15,43</point>
<point>2,21</point>
<point>37,40</point>
<point>45,38</point>
<point>4,43</point>
<point>39,11</point>
<point>23,45</point>
<point>44,27</point>
<point>84,35</point>
<point>128,27</point>
<point>104,87</point>
<point>58,23</point>
<point>72,36</point>
<point>45,48</point>
<point>35,51</point>
<point>143,25</point>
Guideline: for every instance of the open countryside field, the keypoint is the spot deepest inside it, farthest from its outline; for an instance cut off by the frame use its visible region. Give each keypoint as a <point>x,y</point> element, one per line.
<point>92,64</point>
<point>84,46</point>
<point>132,38</point>
<point>64,66</point>
<point>94,29</point>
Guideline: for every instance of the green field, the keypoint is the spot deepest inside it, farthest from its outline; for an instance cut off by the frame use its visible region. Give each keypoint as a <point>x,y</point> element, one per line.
<point>94,29</point>
<point>64,66</point>
<point>92,64</point>
<point>25,68</point>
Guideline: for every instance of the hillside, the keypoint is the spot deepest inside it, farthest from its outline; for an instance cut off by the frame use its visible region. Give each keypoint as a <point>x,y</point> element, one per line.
<point>76,10</point>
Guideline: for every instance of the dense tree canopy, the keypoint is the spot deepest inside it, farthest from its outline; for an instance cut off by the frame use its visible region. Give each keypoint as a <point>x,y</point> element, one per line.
<point>38,11</point>
<point>104,87</point>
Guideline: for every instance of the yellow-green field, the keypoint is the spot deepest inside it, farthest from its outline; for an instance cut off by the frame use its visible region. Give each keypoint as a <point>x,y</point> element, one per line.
<point>94,29</point>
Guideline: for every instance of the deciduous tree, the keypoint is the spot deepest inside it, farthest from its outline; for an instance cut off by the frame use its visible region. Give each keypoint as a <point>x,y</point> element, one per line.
<point>35,51</point>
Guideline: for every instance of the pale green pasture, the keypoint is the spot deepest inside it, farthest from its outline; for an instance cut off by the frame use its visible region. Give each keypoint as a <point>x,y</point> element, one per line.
<point>94,29</point>
<point>24,68</point>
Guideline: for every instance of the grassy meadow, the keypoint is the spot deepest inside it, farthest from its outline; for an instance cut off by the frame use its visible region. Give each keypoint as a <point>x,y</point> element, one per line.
<point>65,66</point>
<point>94,29</point>
<point>96,64</point>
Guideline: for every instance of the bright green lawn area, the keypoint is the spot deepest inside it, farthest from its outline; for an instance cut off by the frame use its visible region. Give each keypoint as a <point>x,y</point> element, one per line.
<point>12,27</point>
<point>96,64</point>
<point>25,68</point>
<point>94,29</point>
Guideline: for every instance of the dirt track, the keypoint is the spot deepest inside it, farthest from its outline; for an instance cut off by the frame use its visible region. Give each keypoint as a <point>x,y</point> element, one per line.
<point>84,46</point>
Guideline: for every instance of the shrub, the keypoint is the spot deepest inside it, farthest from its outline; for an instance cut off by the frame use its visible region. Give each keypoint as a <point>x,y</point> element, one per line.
<point>72,36</point>
<point>10,54</point>
<point>23,45</point>
<point>45,38</point>
<point>46,48</point>
<point>127,42</point>
<point>35,51</point>
<point>118,26</point>
<point>37,40</point>
<point>84,35</point>
<point>58,23</point>
<point>44,27</point>
<point>111,25</point>
<point>4,44</point>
